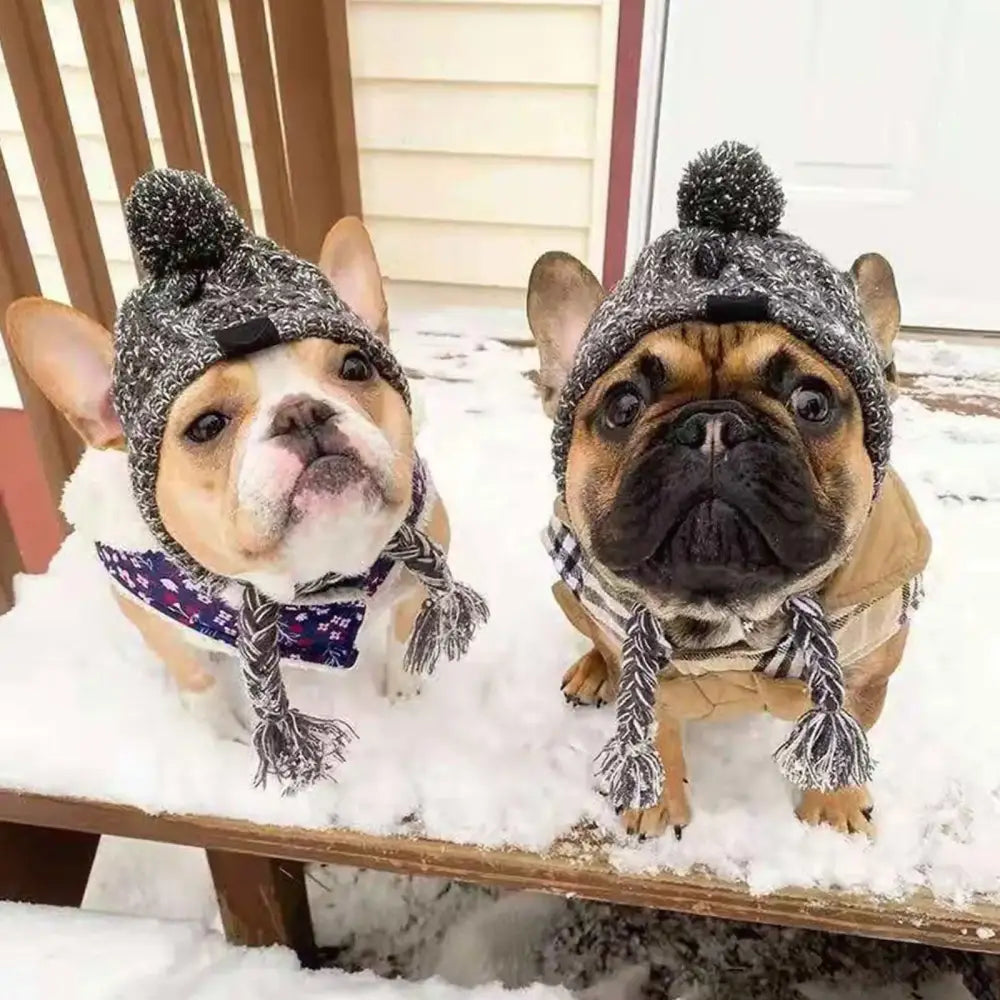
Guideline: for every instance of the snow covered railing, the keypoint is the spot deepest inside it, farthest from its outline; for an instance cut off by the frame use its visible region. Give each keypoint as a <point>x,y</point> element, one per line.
<point>47,845</point>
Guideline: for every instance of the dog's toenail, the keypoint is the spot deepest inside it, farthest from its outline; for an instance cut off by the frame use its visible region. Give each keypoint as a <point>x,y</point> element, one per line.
<point>642,837</point>
<point>678,832</point>
<point>867,813</point>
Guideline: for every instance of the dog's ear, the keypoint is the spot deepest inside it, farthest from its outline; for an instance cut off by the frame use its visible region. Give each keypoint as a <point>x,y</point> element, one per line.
<point>880,305</point>
<point>562,296</point>
<point>349,262</point>
<point>69,357</point>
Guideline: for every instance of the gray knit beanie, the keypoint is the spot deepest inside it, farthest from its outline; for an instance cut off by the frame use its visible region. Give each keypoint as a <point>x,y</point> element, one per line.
<point>728,262</point>
<point>214,290</point>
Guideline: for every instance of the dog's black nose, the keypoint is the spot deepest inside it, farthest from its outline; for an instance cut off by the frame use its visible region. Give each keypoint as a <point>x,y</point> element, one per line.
<point>300,416</point>
<point>713,431</point>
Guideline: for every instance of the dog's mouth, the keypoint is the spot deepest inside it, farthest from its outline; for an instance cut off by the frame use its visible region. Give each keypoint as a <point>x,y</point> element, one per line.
<point>685,527</point>
<point>332,475</point>
<point>714,548</point>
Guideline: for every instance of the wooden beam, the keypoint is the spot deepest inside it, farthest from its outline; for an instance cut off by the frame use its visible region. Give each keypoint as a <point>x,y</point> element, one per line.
<point>342,97</point>
<point>319,163</point>
<point>59,447</point>
<point>111,71</point>
<point>203,29</point>
<point>263,902</point>
<point>42,865</point>
<point>569,870</point>
<point>168,77</point>
<point>256,68</point>
<point>34,76</point>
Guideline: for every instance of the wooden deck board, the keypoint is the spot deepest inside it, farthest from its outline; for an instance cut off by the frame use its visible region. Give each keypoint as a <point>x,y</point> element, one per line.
<point>975,927</point>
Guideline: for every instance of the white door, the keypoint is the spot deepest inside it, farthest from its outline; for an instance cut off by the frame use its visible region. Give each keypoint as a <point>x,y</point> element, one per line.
<point>882,117</point>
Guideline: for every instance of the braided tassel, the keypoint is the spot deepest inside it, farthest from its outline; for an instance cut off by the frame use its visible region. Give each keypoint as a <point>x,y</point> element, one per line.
<point>827,749</point>
<point>452,611</point>
<point>297,749</point>
<point>630,764</point>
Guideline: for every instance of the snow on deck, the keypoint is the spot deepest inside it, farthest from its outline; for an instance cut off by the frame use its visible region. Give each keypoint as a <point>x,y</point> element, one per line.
<point>489,753</point>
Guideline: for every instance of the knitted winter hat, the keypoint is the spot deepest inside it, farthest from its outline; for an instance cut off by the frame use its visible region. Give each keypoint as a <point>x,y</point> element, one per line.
<point>214,290</point>
<point>728,262</point>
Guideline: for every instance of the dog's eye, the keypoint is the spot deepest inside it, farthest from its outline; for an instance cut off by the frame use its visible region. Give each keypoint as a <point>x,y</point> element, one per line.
<point>206,427</point>
<point>356,368</point>
<point>622,406</point>
<point>811,402</point>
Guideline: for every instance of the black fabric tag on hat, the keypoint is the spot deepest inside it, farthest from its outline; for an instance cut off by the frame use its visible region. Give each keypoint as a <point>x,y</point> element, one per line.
<point>737,308</point>
<point>245,338</point>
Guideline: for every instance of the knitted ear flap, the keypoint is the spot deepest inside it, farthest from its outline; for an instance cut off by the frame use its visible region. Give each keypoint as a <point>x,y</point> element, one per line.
<point>452,611</point>
<point>827,749</point>
<point>630,763</point>
<point>297,749</point>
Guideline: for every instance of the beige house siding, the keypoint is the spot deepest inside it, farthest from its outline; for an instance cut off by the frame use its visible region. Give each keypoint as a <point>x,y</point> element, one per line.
<point>483,128</point>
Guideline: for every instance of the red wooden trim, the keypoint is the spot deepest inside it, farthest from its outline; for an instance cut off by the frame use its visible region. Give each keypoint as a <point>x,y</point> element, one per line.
<point>630,19</point>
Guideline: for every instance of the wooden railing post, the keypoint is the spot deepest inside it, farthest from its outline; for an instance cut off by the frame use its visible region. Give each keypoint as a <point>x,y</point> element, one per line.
<point>322,155</point>
<point>168,76</point>
<point>59,447</point>
<point>34,75</point>
<point>253,47</point>
<point>215,99</point>
<point>113,76</point>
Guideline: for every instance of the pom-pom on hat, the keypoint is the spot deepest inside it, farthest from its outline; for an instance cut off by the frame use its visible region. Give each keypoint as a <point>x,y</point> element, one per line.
<point>177,221</point>
<point>728,261</point>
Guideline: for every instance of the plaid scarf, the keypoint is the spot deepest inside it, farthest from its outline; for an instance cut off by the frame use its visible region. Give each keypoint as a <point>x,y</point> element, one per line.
<point>827,748</point>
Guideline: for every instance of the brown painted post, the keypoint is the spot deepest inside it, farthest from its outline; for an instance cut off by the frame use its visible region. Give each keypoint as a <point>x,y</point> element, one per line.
<point>263,902</point>
<point>34,75</point>
<point>168,76</point>
<point>41,865</point>
<point>630,19</point>
<point>342,93</point>
<point>215,99</point>
<point>254,49</point>
<point>319,164</point>
<point>113,76</point>
<point>59,447</point>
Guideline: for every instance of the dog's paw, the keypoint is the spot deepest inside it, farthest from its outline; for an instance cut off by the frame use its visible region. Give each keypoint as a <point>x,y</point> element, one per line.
<point>402,684</point>
<point>672,812</point>
<point>847,810</point>
<point>214,709</point>
<point>587,681</point>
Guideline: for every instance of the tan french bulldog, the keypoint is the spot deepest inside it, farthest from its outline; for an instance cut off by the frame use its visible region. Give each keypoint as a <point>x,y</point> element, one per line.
<point>279,464</point>
<point>726,519</point>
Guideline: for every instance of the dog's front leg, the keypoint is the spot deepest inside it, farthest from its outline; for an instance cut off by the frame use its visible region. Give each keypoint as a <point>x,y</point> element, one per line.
<point>200,691</point>
<point>673,808</point>
<point>593,678</point>
<point>400,682</point>
<point>850,809</point>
